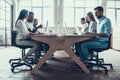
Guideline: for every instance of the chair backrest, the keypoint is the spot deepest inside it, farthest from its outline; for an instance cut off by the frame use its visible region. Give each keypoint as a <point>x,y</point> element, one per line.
<point>14,33</point>
<point>110,41</point>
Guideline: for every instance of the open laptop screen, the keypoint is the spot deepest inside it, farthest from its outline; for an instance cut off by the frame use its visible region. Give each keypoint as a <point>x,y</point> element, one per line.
<point>77,30</point>
<point>46,27</point>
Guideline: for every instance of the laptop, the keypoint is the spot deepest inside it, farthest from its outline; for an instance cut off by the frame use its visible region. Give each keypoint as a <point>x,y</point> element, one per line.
<point>77,30</point>
<point>66,30</point>
<point>46,27</point>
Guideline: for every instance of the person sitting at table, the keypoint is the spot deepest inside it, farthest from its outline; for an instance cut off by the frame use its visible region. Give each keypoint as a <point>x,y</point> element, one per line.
<point>35,23</point>
<point>103,31</point>
<point>89,25</point>
<point>22,37</point>
<point>30,23</point>
<point>84,25</point>
<point>92,24</point>
<point>84,29</point>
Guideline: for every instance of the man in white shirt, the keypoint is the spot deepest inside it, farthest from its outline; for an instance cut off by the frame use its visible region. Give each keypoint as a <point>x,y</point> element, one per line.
<point>29,23</point>
<point>30,27</point>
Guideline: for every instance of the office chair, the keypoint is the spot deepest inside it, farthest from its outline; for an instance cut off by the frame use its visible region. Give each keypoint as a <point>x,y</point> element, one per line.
<point>18,62</point>
<point>91,57</point>
<point>99,62</point>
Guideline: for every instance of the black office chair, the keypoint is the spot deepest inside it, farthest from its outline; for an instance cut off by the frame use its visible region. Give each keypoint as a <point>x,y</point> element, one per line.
<point>18,62</point>
<point>91,57</point>
<point>99,62</point>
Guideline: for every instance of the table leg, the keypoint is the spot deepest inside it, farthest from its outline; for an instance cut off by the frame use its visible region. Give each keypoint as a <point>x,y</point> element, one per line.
<point>42,61</point>
<point>77,60</point>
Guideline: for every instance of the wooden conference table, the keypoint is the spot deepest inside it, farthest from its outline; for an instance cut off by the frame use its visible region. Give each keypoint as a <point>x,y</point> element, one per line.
<point>60,43</point>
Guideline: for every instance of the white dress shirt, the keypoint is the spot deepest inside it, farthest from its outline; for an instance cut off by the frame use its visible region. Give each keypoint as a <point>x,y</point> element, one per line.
<point>22,30</point>
<point>84,27</point>
<point>92,26</point>
<point>29,25</point>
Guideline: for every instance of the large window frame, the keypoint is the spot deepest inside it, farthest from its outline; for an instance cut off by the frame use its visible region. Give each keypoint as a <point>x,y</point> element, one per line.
<point>5,23</point>
<point>79,5</point>
<point>114,7</point>
<point>41,6</point>
<point>72,12</point>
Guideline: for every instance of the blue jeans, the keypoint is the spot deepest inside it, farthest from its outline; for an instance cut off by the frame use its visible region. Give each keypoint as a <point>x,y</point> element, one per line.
<point>85,46</point>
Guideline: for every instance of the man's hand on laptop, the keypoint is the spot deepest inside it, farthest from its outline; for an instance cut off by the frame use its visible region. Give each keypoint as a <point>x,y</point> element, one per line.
<point>40,26</point>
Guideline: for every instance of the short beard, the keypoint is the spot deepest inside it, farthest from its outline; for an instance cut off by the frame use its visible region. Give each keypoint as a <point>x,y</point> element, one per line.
<point>98,17</point>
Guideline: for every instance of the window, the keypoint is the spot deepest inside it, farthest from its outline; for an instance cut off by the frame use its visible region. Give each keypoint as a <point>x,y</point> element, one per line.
<point>79,12</point>
<point>118,18</point>
<point>36,11</point>
<point>5,23</point>
<point>68,3</point>
<point>79,3</point>
<point>91,3</point>
<point>43,10</point>
<point>111,16</point>
<point>114,7</point>
<point>69,16</point>
<point>75,9</point>
<point>113,12</point>
<point>23,3</point>
<point>111,4</point>
<point>117,4</point>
